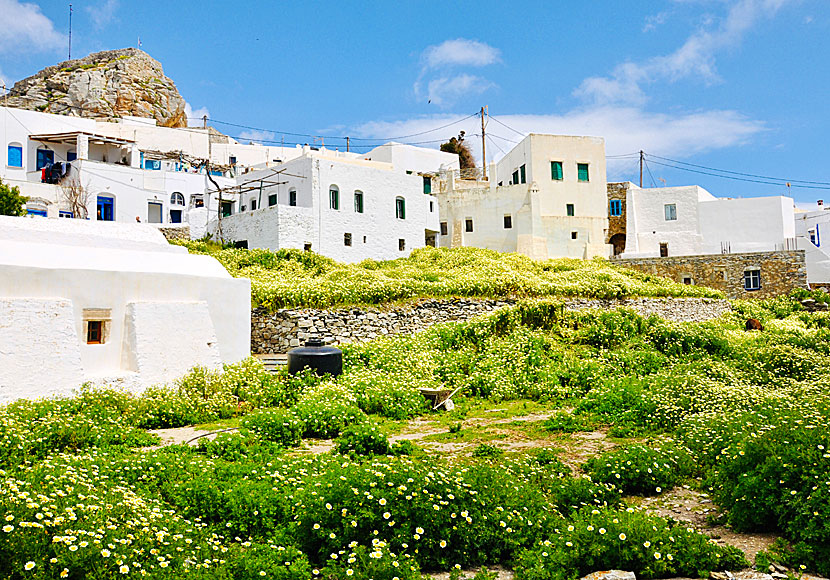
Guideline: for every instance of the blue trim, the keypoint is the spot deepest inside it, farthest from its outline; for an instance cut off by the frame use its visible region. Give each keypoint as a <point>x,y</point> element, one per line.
<point>106,209</point>
<point>15,158</point>
<point>44,157</point>
<point>37,212</point>
<point>818,238</point>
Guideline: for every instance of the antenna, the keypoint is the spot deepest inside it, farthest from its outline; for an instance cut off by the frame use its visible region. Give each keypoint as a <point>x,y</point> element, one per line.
<point>70,32</point>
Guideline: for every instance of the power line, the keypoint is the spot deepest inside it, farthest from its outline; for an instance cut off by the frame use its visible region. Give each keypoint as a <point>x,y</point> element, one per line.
<point>739,178</point>
<point>782,179</point>
<point>508,127</point>
<point>654,183</point>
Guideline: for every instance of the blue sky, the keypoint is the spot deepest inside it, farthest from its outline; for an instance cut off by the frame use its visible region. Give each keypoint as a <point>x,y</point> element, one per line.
<point>738,85</point>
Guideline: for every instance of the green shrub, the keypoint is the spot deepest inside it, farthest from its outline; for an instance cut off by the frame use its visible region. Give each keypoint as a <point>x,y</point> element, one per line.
<point>640,470</point>
<point>326,411</point>
<point>649,546</point>
<point>277,425</point>
<point>362,440</point>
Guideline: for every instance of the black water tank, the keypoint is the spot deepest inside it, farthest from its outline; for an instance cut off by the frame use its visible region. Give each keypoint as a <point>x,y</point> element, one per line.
<point>320,359</point>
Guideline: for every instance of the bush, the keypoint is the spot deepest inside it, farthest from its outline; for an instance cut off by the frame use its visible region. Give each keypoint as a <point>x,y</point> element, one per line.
<point>362,440</point>
<point>326,411</point>
<point>640,470</point>
<point>649,546</point>
<point>277,425</point>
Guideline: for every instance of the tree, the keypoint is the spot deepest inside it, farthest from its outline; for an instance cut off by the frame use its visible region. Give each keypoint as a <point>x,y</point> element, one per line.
<point>457,146</point>
<point>76,198</point>
<point>11,202</point>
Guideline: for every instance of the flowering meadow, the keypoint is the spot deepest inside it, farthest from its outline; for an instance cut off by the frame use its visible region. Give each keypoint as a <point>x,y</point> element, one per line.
<point>291,278</point>
<point>85,494</point>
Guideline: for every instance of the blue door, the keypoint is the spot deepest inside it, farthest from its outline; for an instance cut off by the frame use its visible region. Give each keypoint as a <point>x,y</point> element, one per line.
<point>106,209</point>
<point>45,157</point>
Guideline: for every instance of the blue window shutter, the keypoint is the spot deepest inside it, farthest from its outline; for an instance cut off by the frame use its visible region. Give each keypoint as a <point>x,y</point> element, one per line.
<point>15,156</point>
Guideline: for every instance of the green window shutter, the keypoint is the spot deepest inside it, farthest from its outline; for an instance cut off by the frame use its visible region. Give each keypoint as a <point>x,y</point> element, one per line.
<point>582,171</point>
<point>523,176</point>
<point>556,170</point>
<point>515,177</point>
<point>569,209</point>
<point>427,184</point>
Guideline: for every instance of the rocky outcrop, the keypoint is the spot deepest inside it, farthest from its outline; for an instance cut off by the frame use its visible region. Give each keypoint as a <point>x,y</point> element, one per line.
<point>106,84</point>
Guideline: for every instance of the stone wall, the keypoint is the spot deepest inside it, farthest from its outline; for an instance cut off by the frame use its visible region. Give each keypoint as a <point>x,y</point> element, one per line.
<point>175,232</point>
<point>617,224</point>
<point>280,331</point>
<point>781,272</point>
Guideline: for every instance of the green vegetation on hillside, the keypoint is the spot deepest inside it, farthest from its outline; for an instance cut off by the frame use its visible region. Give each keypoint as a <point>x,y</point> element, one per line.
<point>289,278</point>
<point>737,414</point>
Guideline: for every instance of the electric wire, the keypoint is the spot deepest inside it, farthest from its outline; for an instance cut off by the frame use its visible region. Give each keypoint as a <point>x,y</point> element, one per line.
<point>507,126</point>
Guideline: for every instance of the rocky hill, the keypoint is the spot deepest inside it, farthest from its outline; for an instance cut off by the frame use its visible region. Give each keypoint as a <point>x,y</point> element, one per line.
<point>112,83</point>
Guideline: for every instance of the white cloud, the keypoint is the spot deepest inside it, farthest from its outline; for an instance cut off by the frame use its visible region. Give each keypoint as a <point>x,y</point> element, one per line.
<point>194,116</point>
<point>27,29</point>
<point>460,52</point>
<point>102,13</point>
<point>442,74</point>
<point>696,57</point>
<point>256,136</point>
<point>446,90</point>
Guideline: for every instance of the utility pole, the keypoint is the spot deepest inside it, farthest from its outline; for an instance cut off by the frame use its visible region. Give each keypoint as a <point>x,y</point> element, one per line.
<point>347,144</point>
<point>70,32</point>
<point>483,145</point>
<point>641,167</point>
<point>204,123</point>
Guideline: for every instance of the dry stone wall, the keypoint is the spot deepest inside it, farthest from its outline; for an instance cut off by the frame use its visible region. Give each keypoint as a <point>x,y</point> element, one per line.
<point>780,272</point>
<point>280,331</point>
<point>175,232</point>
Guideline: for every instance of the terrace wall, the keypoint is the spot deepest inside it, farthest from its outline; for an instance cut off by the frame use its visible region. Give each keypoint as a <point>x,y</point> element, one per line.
<point>280,331</point>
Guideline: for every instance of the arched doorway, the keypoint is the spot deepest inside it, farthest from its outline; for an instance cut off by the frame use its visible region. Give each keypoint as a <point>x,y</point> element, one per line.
<point>618,241</point>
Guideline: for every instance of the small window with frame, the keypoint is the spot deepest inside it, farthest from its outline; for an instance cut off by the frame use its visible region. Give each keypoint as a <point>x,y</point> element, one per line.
<point>95,332</point>
<point>508,222</point>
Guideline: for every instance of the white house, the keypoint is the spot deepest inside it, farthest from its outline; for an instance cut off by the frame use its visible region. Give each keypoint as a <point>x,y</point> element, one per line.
<point>688,221</point>
<point>343,205</point>
<point>813,232</point>
<point>545,198</point>
<point>83,301</point>
<point>130,168</point>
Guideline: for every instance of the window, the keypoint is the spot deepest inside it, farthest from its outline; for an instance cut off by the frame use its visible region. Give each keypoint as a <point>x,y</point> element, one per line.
<point>358,202</point>
<point>468,225</point>
<point>670,210</point>
<point>400,208</point>
<point>227,208</point>
<point>232,160</point>
<point>106,209</point>
<point>664,250</point>
<point>427,184</point>
<point>582,171</point>
<point>175,216</point>
<point>253,204</point>
<point>364,239</point>
<point>347,239</point>
<point>615,207</point>
<point>292,197</point>
<point>444,229</point>
<point>71,155</point>
<point>401,245</point>
<point>152,164</point>
<point>515,177</point>
<point>197,200</point>
<point>522,175</point>
<point>569,210</point>
<point>15,158</point>
<point>687,280</point>
<point>177,198</point>
<point>96,324</point>
<point>752,279</point>
<point>508,222</point>
<point>94,332</point>
<point>556,170</point>
<point>272,200</point>
<point>66,214</point>
<point>334,197</point>
<point>306,247</point>
<point>431,207</point>
<point>574,235</point>
<point>44,157</point>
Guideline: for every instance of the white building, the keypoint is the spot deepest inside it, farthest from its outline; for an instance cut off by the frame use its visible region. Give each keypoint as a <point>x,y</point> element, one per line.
<point>346,206</point>
<point>812,229</point>
<point>690,221</point>
<point>545,198</point>
<point>101,302</point>
<point>129,167</point>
